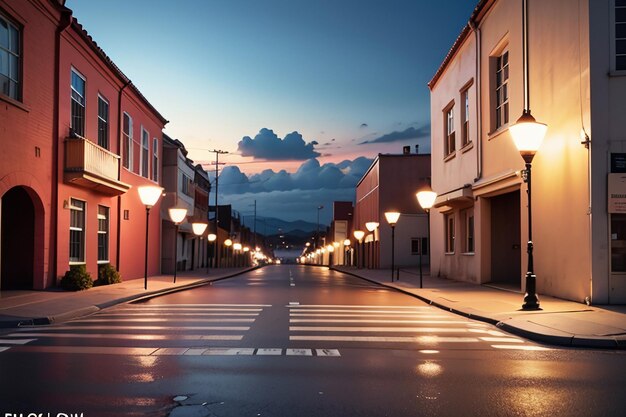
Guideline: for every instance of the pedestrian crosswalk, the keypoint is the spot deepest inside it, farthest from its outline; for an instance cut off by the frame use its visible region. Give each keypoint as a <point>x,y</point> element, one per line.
<point>411,326</point>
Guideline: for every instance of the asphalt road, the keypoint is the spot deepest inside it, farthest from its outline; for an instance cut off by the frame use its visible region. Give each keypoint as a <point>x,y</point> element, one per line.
<point>297,341</point>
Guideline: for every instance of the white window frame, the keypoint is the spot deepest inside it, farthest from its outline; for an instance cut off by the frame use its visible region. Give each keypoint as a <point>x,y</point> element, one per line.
<point>144,155</point>
<point>127,142</point>
<point>107,217</point>
<point>82,230</point>
<point>613,32</point>
<point>449,134</point>
<point>469,231</point>
<point>104,121</point>
<point>14,73</point>
<point>449,230</point>
<point>75,97</point>
<point>501,108</point>
<point>155,160</point>
<point>466,138</point>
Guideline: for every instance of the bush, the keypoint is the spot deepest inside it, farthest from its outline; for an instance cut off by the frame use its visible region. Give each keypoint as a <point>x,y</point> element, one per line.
<point>76,279</point>
<point>107,274</point>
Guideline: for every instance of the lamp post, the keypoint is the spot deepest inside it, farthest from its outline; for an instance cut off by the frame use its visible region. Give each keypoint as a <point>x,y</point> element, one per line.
<point>149,195</point>
<point>212,237</point>
<point>527,135</point>
<point>371,227</point>
<point>346,246</point>
<point>228,243</point>
<point>331,250</point>
<point>237,247</point>
<point>177,215</point>
<point>358,235</point>
<point>392,218</point>
<point>198,230</point>
<point>426,199</point>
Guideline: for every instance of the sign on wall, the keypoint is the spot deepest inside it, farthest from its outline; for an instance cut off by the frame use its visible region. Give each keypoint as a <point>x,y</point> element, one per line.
<point>617,193</point>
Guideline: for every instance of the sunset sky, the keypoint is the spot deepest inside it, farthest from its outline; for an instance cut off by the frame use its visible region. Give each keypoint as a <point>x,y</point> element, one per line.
<point>315,88</point>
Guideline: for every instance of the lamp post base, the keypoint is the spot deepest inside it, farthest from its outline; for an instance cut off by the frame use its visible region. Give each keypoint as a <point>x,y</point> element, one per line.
<point>531,301</point>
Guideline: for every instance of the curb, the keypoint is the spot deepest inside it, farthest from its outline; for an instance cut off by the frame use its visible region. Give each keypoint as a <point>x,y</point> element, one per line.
<point>87,311</point>
<point>572,341</point>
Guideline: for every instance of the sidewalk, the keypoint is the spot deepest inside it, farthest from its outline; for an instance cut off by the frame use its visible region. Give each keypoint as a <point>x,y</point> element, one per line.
<point>51,306</point>
<point>560,322</point>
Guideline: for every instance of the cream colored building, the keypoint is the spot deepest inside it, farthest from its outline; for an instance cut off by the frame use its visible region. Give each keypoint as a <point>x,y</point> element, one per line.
<point>577,80</point>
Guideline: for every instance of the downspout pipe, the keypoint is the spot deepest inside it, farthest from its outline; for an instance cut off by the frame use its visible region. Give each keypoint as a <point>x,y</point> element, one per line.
<point>119,174</point>
<point>479,114</point>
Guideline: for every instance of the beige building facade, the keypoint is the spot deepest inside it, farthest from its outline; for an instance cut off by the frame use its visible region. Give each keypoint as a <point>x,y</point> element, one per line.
<point>577,86</point>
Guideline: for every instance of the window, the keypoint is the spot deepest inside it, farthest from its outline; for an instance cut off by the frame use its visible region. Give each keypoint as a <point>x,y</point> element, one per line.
<point>78,104</point>
<point>620,35</point>
<point>9,59</point>
<point>468,230</point>
<point>465,136</point>
<point>127,142</point>
<point>103,122</point>
<point>449,147</point>
<point>145,152</point>
<point>155,160</point>
<point>449,230</point>
<point>502,90</point>
<point>419,244</point>
<point>103,234</point>
<point>186,185</point>
<point>77,231</point>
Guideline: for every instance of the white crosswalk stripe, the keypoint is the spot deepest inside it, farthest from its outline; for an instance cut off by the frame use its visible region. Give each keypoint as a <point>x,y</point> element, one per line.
<point>418,326</point>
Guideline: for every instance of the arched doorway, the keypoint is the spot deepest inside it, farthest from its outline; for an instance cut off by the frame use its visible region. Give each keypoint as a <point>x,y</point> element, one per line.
<point>17,244</point>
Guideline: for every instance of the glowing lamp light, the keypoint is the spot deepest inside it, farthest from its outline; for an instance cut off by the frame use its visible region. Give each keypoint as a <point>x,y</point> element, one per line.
<point>330,248</point>
<point>371,226</point>
<point>358,234</point>
<point>198,228</point>
<point>177,215</point>
<point>392,217</point>
<point>528,135</point>
<point>212,237</point>
<point>149,194</point>
<point>426,198</point>
<point>237,246</point>
<point>246,249</point>
<point>346,242</point>
<point>228,242</point>
<point>336,244</point>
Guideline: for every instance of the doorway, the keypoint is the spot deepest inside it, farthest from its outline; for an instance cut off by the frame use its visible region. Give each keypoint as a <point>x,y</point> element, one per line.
<point>505,240</point>
<point>17,244</point>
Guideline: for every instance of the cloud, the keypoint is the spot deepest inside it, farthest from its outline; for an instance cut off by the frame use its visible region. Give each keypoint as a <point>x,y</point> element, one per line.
<point>267,145</point>
<point>407,134</point>
<point>364,125</point>
<point>309,176</point>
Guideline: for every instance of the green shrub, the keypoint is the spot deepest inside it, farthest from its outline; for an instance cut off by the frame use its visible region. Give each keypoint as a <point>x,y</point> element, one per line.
<point>107,274</point>
<point>76,279</point>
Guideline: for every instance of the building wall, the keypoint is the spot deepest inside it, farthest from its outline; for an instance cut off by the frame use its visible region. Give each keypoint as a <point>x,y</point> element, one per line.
<point>27,127</point>
<point>559,97</point>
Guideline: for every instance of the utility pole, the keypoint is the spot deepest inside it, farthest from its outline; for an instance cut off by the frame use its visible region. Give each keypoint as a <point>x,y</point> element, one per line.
<point>254,228</point>
<point>217,165</point>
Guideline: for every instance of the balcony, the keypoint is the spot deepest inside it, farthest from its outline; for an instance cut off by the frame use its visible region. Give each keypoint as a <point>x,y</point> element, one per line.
<point>91,166</point>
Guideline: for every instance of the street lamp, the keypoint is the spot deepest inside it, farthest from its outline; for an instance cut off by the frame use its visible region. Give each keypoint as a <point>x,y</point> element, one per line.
<point>331,249</point>
<point>371,227</point>
<point>177,215</point>
<point>237,247</point>
<point>212,237</point>
<point>392,218</point>
<point>527,135</point>
<point>426,199</point>
<point>198,230</point>
<point>358,235</point>
<point>149,195</point>
<point>228,243</point>
<point>346,245</point>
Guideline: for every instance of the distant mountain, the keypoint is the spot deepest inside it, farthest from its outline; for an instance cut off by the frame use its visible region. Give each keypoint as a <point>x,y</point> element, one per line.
<point>272,226</point>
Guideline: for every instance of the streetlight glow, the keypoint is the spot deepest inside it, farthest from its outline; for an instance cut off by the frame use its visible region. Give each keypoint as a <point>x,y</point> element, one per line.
<point>149,194</point>
<point>426,198</point>
<point>392,217</point>
<point>212,237</point>
<point>177,215</point>
<point>371,226</point>
<point>358,234</point>
<point>199,228</point>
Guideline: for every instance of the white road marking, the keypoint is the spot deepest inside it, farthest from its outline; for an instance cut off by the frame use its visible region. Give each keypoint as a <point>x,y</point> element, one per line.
<point>327,352</point>
<point>15,341</point>
<point>170,351</point>
<point>522,347</point>
<point>391,339</point>
<point>113,315</point>
<point>178,328</point>
<point>188,309</point>
<point>293,304</point>
<point>370,315</point>
<point>359,306</point>
<point>269,351</point>
<point>339,312</point>
<point>158,320</point>
<point>377,321</point>
<point>131,336</point>
<point>299,352</point>
<point>502,339</point>
<point>3,348</point>
<point>151,305</point>
<point>378,329</point>
<point>229,351</point>
<point>195,351</point>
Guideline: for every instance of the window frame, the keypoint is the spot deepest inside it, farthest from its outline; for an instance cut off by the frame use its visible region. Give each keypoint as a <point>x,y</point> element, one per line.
<point>106,216</point>
<point>80,128</point>
<point>144,155</point>
<point>614,39</point>
<point>469,231</point>
<point>17,54</point>
<point>466,138</point>
<point>449,133</point>
<point>155,160</point>
<point>499,105</point>
<point>449,233</point>
<point>127,142</point>
<point>75,206</point>
<point>103,124</point>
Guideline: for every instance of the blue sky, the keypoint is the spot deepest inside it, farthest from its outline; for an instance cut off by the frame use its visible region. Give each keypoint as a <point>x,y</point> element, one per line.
<point>277,82</point>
